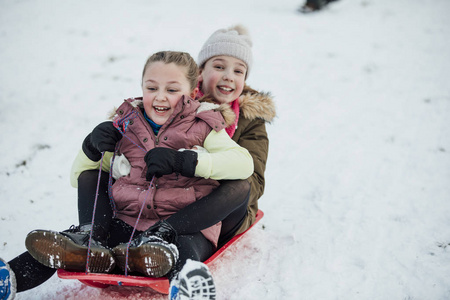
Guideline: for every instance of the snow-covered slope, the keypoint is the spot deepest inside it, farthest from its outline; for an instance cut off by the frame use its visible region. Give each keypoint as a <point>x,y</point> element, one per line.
<point>357,201</point>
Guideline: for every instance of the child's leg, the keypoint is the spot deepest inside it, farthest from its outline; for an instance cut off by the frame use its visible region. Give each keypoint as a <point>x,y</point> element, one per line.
<point>191,279</point>
<point>29,272</point>
<point>227,203</point>
<point>232,223</point>
<point>68,249</point>
<point>87,187</point>
<point>191,246</point>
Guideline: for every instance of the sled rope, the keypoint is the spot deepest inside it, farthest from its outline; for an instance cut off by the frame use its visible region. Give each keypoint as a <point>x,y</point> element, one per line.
<point>135,225</point>
<point>93,213</point>
<point>110,180</point>
<point>121,125</point>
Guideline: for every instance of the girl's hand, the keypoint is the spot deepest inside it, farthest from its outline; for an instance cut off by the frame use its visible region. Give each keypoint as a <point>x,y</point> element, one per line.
<point>163,161</point>
<point>104,137</point>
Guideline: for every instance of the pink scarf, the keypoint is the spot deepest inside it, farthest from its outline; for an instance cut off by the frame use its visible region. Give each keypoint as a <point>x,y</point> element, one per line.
<point>232,128</point>
<point>234,105</point>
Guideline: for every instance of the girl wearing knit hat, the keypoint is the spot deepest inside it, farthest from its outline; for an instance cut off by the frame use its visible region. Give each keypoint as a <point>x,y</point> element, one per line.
<point>225,62</point>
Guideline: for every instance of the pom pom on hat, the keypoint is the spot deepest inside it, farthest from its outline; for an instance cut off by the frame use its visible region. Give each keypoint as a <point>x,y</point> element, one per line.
<point>234,41</point>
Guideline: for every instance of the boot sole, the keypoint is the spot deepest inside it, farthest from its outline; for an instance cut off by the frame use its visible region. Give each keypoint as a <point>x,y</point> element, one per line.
<point>200,284</point>
<point>152,260</point>
<point>57,251</point>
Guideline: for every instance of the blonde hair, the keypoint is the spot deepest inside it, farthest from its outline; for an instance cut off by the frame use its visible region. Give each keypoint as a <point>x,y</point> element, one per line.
<point>181,59</point>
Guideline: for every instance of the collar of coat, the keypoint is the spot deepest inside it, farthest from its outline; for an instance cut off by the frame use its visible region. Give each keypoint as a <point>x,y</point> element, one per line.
<point>205,105</point>
<point>252,104</point>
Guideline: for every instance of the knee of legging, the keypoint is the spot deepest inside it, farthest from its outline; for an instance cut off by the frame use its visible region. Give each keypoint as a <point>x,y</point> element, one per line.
<point>88,175</point>
<point>246,186</point>
<point>242,188</point>
<point>195,247</point>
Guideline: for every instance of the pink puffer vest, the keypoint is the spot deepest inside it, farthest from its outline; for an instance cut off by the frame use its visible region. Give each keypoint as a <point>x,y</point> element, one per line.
<point>169,193</point>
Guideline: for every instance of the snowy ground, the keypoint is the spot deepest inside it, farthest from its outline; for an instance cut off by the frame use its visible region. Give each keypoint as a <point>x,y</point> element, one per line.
<point>358,180</point>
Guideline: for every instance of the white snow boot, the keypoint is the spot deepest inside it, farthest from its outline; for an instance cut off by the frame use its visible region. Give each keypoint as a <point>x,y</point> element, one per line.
<point>193,282</point>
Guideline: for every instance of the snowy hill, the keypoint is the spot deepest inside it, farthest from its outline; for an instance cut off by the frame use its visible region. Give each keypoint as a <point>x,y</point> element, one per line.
<point>357,202</point>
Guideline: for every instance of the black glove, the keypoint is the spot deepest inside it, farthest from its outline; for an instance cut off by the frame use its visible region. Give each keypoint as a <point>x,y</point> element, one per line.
<point>163,161</point>
<point>104,137</point>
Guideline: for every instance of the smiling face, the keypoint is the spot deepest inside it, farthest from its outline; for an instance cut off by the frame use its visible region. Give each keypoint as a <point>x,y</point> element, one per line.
<point>223,77</point>
<point>163,85</point>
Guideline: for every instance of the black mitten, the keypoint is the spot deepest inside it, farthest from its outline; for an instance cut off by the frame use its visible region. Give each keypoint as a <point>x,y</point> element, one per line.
<point>163,161</point>
<point>104,137</point>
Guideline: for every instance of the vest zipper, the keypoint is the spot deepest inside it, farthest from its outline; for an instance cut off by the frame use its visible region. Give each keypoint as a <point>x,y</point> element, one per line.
<point>173,119</point>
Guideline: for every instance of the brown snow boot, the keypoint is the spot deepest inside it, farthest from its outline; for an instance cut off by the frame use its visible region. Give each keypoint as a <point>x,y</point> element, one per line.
<point>68,249</point>
<point>152,253</point>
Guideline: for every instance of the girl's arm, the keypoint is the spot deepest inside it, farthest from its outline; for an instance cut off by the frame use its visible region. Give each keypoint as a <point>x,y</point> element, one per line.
<point>254,138</point>
<point>225,160</point>
<point>83,163</point>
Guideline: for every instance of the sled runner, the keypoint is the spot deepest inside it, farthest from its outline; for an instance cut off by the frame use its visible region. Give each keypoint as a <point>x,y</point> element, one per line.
<point>161,285</point>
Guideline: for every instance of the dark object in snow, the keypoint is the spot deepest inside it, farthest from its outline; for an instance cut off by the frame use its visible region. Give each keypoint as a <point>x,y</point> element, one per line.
<point>314,5</point>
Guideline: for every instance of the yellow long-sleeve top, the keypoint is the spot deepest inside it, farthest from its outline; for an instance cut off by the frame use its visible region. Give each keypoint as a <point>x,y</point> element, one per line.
<point>224,159</point>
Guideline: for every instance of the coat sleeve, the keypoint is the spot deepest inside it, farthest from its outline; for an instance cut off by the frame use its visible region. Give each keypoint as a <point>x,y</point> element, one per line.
<point>225,158</point>
<point>83,163</point>
<point>255,139</point>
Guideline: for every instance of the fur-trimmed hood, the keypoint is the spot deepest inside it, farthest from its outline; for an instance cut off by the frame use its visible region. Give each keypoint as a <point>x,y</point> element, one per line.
<point>254,104</point>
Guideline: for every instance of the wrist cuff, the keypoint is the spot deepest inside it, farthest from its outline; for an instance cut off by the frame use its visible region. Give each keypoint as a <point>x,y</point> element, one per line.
<point>187,160</point>
<point>90,151</point>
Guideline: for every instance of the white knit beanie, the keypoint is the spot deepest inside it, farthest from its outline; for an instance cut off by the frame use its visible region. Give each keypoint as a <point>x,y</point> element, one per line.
<point>234,41</point>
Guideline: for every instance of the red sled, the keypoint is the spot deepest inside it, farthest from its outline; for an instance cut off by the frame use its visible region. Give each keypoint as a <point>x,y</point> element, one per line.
<point>161,285</point>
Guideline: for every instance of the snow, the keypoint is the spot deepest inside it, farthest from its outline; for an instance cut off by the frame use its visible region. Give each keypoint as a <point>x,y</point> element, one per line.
<point>357,201</point>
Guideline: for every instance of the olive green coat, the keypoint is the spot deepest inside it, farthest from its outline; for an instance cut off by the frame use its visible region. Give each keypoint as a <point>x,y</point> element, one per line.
<point>256,109</point>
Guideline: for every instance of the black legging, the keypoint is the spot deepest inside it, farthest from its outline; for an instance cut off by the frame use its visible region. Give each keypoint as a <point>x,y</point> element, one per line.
<point>29,272</point>
<point>227,203</point>
<point>87,187</point>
